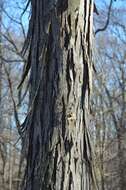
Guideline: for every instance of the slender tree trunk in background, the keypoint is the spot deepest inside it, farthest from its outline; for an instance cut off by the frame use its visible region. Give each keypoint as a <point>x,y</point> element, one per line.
<point>58,144</point>
<point>121,159</point>
<point>20,171</point>
<point>10,161</point>
<point>1,6</point>
<point>102,173</point>
<point>2,156</point>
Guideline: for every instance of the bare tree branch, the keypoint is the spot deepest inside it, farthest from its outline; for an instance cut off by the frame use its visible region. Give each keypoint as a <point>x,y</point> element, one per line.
<point>14,103</point>
<point>107,21</point>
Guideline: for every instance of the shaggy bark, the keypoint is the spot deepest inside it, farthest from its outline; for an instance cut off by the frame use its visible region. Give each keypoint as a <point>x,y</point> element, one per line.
<point>56,139</point>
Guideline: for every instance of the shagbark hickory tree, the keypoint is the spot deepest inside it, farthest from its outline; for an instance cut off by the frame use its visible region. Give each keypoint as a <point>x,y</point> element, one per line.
<point>56,138</point>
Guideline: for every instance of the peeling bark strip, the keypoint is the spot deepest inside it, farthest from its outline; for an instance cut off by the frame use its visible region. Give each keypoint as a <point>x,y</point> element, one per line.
<point>56,128</point>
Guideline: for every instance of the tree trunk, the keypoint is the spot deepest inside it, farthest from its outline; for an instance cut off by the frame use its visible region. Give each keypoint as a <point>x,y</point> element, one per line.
<point>2,144</point>
<point>121,160</point>
<point>1,10</point>
<point>56,128</point>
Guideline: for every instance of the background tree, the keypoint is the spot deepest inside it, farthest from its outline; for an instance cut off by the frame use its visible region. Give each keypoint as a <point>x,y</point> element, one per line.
<point>11,40</point>
<point>109,97</point>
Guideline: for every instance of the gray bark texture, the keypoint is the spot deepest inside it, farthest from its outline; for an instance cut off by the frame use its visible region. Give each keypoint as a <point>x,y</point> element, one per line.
<point>121,160</point>
<point>56,141</point>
